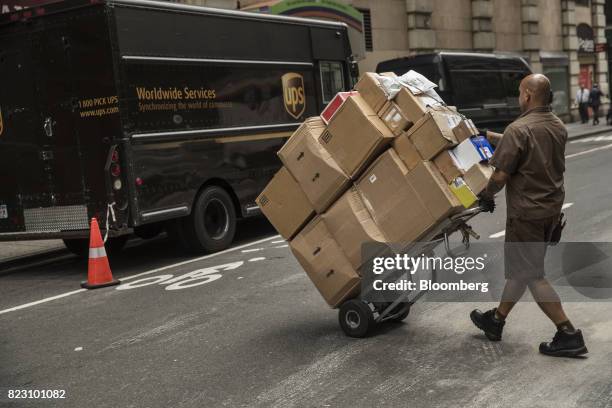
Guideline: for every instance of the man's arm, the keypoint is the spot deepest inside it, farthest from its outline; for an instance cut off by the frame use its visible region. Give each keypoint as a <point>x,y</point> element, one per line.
<point>494,137</point>
<point>496,183</point>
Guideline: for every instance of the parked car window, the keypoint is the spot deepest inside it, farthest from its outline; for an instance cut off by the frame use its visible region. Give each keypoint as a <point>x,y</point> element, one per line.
<point>477,88</point>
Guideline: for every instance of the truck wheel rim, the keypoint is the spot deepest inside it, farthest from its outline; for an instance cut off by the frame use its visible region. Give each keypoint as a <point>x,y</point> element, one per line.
<point>352,318</point>
<point>216,219</point>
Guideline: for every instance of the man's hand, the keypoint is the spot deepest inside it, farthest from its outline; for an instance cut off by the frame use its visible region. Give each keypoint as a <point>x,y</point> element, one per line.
<point>487,203</point>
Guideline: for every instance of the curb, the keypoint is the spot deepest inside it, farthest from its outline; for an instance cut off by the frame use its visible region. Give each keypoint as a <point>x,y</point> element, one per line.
<point>10,264</point>
<point>590,133</point>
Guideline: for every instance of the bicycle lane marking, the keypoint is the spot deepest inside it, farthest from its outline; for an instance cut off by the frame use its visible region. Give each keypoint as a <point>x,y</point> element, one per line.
<point>164,268</point>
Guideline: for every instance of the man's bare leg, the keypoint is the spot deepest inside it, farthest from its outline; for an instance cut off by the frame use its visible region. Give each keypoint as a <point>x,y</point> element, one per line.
<point>513,291</point>
<point>548,300</point>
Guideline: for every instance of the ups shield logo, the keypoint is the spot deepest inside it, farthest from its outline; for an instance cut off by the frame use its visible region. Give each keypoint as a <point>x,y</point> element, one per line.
<point>293,94</point>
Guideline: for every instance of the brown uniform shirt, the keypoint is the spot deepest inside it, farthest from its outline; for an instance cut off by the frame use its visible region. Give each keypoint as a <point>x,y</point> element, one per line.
<point>532,152</point>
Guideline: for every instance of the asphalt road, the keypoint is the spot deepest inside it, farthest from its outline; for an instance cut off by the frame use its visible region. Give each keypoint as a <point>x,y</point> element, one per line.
<point>249,329</point>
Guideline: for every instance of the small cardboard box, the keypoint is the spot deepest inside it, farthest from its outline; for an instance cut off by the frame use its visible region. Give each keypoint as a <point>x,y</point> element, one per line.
<point>406,151</point>
<point>415,106</point>
<point>448,165</point>
<point>372,91</point>
<point>325,263</point>
<point>433,133</point>
<point>333,106</point>
<point>355,136</point>
<point>434,191</point>
<point>464,130</point>
<point>463,192</point>
<point>477,177</point>
<point>351,225</point>
<point>284,204</point>
<point>471,151</point>
<point>312,166</point>
<point>393,203</point>
<point>394,118</point>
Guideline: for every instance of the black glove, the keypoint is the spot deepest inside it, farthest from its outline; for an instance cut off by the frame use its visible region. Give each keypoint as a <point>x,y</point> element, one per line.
<point>486,203</point>
<point>482,132</point>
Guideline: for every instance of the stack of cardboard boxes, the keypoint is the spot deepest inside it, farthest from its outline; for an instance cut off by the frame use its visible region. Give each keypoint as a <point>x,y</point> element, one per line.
<point>383,164</point>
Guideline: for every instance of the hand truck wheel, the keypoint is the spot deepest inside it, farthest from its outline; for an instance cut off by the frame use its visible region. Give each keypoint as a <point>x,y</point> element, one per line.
<point>356,319</point>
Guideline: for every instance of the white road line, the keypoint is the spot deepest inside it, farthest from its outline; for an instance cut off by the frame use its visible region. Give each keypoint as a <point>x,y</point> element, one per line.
<point>163,268</point>
<point>282,241</point>
<point>569,156</point>
<point>49,299</point>
<point>45,300</point>
<point>246,251</point>
<point>261,258</point>
<point>281,246</point>
<point>498,234</point>
<point>567,205</point>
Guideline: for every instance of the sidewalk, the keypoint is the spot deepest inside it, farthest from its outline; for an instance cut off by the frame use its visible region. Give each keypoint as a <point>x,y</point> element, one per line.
<point>11,252</point>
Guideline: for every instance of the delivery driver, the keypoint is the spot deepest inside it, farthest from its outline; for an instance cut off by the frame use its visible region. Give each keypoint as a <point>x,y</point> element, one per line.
<point>530,160</point>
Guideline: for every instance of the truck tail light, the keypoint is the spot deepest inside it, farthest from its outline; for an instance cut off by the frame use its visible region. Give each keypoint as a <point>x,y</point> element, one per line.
<point>115,170</point>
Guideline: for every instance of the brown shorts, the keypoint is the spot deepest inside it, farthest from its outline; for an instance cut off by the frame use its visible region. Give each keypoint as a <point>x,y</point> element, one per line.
<point>525,247</point>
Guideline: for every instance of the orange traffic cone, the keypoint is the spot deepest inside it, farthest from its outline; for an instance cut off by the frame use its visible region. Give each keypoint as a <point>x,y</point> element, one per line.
<point>99,274</point>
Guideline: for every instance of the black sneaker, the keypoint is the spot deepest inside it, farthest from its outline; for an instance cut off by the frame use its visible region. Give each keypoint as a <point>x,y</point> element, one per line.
<point>487,322</point>
<point>565,344</point>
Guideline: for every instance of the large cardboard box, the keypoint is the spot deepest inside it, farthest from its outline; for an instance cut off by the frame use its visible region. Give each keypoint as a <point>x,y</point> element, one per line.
<point>448,166</point>
<point>406,151</point>
<point>464,130</point>
<point>284,204</point>
<point>325,263</point>
<point>477,177</point>
<point>433,133</point>
<point>434,191</point>
<point>394,118</point>
<point>415,106</point>
<point>355,136</point>
<point>352,226</point>
<point>372,91</point>
<point>312,166</point>
<point>393,203</point>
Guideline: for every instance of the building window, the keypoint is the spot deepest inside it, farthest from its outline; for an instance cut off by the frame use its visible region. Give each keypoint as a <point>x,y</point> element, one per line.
<point>367,28</point>
<point>332,80</point>
<point>584,3</point>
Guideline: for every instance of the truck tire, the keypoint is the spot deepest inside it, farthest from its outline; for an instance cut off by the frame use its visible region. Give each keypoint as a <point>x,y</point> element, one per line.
<point>212,224</point>
<point>80,246</point>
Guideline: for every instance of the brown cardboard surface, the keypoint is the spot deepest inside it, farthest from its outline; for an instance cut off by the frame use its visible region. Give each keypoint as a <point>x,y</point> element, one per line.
<point>284,204</point>
<point>464,130</point>
<point>434,191</point>
<point>351,225</point>
<point>355,136</point>
<point>371,91</point>
<point>325,263</point>
<point>318,174</point>
<point>448,166</point>
<point>477,177</point>
<point>406,151</point>
<point>393,117</point>
<point>433,133</point>
<point>392,201</point>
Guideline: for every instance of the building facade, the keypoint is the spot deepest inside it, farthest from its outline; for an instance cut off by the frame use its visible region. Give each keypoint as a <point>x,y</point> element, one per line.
<point>564,39</point>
